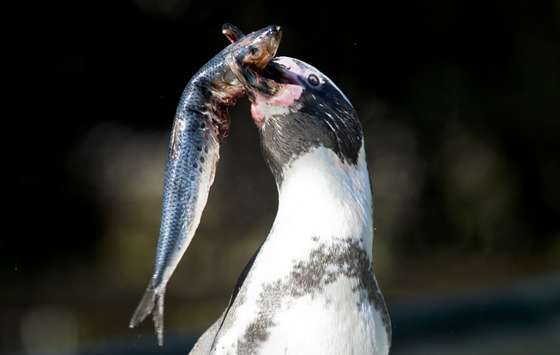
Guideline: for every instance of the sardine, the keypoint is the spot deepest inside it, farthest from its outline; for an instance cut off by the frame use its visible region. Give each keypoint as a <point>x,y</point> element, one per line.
<point>200,125</point>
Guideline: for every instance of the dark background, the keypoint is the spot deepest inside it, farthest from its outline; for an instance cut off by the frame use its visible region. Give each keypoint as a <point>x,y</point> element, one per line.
<point>460,102</point>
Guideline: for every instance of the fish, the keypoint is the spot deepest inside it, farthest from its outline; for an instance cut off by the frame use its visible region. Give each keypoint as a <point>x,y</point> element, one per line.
<point>200,125</point>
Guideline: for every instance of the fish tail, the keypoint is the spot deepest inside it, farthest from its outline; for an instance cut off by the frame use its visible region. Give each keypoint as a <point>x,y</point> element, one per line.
<point>151,302</point>
<point>144,308</point>
<point>157,316</point>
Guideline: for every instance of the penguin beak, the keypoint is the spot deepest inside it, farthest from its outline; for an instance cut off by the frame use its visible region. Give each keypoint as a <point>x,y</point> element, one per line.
<point>280,73</point>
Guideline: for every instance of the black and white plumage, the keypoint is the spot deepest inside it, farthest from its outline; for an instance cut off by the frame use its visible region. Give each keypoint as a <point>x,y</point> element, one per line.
<point>310,288</point>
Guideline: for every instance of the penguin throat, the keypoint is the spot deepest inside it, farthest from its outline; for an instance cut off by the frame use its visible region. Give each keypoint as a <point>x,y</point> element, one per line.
<point>325,197</point>
<point>279,104</point>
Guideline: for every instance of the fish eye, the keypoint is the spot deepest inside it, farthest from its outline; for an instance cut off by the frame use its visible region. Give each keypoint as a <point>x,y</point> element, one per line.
<point>313,80</point>
<point>253,50</point>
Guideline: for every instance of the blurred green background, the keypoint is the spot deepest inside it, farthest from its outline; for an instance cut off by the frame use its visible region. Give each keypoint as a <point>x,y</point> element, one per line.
<point>460,102</point>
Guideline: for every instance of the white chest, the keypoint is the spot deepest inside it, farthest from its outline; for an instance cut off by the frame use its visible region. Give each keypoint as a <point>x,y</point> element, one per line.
<point>311,289</point>
<point>334,321</point>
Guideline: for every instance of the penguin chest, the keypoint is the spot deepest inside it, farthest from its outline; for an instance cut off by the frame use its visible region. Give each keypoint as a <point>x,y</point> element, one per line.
<point>327,303</point>
<point>336,320</point>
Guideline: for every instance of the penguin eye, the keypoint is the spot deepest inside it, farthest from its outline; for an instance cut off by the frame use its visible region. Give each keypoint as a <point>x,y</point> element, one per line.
<point>313,80</point>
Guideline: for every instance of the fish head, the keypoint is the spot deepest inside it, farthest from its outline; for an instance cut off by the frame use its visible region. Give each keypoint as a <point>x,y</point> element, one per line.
<point>255,50</point>
<point>304,109</point>
<point>251,54</point>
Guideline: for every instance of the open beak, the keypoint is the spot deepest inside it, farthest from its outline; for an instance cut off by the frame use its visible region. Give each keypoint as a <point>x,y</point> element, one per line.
<point>279,73</point>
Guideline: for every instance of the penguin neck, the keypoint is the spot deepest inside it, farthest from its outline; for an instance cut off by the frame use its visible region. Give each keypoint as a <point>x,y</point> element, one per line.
<point>323,199</point>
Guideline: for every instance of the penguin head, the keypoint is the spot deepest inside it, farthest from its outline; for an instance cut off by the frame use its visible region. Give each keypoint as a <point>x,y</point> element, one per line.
<point>296,109</point>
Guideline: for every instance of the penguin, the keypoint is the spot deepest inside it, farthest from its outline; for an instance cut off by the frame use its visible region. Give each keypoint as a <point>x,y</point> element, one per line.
<point>310,288</point>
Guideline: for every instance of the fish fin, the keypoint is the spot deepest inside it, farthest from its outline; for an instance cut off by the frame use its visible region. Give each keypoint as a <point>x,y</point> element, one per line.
<point>151,302</point>
<point>157,316</point>
<point>144,308</point>
<point>232,33</point>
